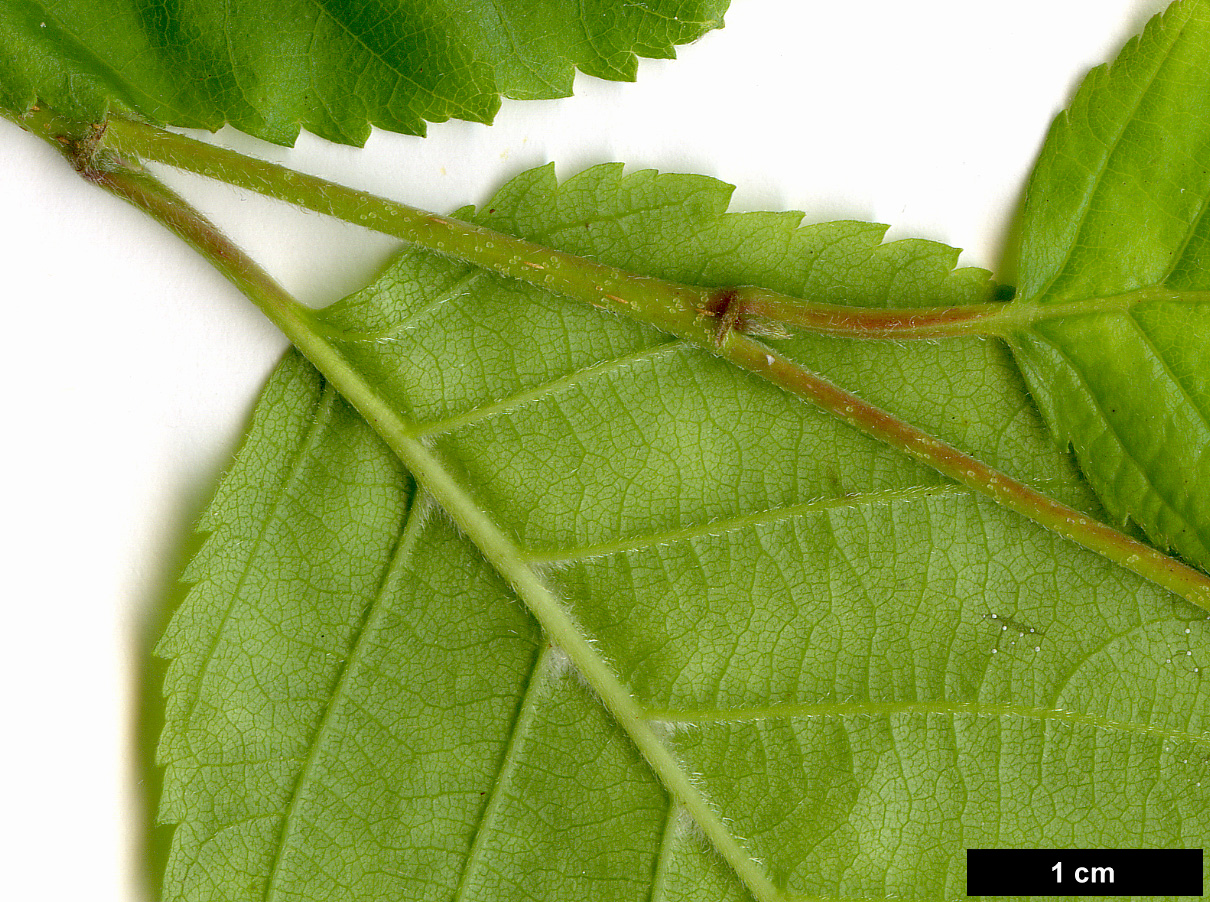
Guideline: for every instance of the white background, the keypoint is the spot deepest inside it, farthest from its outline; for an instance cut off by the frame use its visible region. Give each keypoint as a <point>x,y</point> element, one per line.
<point>132,365</point>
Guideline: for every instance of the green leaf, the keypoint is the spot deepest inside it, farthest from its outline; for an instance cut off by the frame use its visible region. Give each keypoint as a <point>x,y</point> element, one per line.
<point>1116,232</point>
<point>331,66</point>
<point>863,668</point>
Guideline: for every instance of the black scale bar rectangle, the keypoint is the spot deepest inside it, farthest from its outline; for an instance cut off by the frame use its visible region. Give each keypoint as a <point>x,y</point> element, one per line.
<point>1084,872</point>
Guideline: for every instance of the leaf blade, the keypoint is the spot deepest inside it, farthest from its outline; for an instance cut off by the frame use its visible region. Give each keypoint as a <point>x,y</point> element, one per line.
<point>589,437</point>
<point>331,67</point>
<point>1115,208</point>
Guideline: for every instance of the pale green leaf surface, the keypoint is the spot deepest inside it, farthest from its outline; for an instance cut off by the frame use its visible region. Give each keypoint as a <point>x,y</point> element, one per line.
<point>333,67</point>
<point>1116,223</point>
<point>867,668</point>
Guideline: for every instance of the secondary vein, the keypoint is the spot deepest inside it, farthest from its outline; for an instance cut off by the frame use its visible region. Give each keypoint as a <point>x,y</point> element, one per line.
<point>698,716</point>
<point>407,540</point>
<point>745,521</point>
<point>521,723</point>
<point>545,390</point>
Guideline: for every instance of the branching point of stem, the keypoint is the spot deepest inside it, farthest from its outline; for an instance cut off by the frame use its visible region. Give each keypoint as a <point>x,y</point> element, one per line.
<point>725,306</point>
<point>716,319</point>
<point>83,144</point>
<point>86,153</point>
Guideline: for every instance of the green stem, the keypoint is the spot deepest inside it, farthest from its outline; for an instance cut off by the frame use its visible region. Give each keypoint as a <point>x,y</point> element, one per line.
<point>431,474</point>
<point>667,305</point>
<point>659,302</point>
<point>663,304</point>
<point>705,317</point>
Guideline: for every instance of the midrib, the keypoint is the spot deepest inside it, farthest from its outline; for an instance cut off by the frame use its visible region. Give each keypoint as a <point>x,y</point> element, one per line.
<point>1031,313</point>
<point>501,551</point>
<point>746,521</point>
<point>693,716</point>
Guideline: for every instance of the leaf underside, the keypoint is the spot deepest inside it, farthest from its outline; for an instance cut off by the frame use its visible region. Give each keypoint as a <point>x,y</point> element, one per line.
<point>334,67</point>
<point>867,668</point>
<point>1117,209</point>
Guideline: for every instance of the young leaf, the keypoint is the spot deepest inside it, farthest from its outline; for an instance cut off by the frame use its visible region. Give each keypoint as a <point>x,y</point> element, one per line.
<point>334,68</point>
<point>1113,273</point>
<point>861,667</point>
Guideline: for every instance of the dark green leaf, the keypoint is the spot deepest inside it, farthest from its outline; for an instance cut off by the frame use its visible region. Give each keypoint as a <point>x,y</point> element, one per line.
<point>334,67</point>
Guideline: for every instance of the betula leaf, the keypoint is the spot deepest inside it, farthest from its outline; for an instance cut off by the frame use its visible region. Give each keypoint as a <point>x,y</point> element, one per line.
<point>864,668</point>
<point>333,67</point>
<point>1114,279</point>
